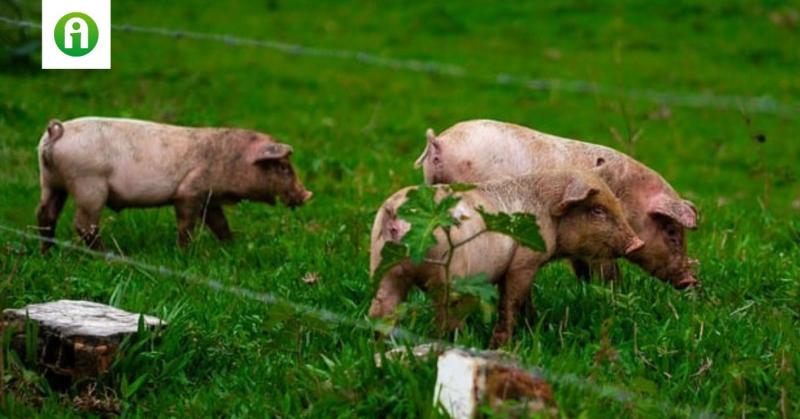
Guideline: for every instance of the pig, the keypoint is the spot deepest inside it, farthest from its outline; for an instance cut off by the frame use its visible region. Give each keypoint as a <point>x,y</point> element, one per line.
<point>125,163</point>
<point>480,150</point>
<point>577,214</point>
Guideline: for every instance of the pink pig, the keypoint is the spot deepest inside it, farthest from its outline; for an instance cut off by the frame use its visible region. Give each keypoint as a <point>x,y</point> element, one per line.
<point>577,215</point>
<point>480,150</point>
<point>125,163</point>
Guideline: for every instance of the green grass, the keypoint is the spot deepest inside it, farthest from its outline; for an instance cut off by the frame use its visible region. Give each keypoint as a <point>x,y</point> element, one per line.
<point>730,347</point>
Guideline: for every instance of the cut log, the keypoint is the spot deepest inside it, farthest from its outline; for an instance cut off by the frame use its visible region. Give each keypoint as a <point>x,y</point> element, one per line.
<point>75,339</point>
<point>466,381</point>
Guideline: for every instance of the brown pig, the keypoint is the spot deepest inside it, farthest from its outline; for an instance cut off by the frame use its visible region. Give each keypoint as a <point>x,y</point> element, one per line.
<point>125,163</point>
<point>480,150</point>
<point>578,217</point>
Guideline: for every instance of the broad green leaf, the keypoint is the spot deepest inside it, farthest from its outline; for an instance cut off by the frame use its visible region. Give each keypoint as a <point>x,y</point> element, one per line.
<point>391,254</point>
<point>520,226</point>
<point>477,285</point>
<point>474,294</point>
<point>447,203</point>
<point>425,215</point>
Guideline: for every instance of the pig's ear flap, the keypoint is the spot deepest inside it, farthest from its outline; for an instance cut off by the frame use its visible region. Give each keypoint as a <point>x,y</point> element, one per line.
<point>600,166</point>
<point>680,210</point>
<point>271,151</point>
<point>431,144</point>
<point>577,191</point>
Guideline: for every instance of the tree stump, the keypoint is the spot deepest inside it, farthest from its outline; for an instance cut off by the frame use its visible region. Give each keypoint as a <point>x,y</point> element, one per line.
<point>75,339</point>
<point>467,381</point>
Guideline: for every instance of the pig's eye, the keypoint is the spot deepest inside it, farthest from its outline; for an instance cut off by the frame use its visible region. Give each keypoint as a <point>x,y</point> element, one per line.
<point>285,169</point>
<point>671,230</point>
<point>598,211</point>
<point>673,234</point>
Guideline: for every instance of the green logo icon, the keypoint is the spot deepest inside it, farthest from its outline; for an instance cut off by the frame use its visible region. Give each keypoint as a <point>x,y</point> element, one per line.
<point>76,34</point>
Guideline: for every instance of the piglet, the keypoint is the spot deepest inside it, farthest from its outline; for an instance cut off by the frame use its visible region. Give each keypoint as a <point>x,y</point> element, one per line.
<point>481,150</point>
<point>125,163</point>
<point>578,216</point>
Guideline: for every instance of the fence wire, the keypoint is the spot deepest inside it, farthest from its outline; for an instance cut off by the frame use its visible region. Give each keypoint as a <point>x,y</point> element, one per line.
<point>756,104</point>
<point>398,335</point>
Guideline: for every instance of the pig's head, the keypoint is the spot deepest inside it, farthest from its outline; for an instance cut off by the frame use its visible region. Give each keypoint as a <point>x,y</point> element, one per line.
<point>589,220</point>
<point>663,227</point>
<point>276,175</point>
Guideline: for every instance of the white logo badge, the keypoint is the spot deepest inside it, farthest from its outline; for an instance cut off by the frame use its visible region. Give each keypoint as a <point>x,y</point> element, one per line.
<point>76,34</point>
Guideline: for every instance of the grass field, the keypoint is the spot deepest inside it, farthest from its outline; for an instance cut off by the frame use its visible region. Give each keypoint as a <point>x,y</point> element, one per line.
<point>731,347</point>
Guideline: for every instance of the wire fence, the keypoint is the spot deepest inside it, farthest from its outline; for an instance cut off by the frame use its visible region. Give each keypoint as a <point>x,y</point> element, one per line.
<point>757,104</point>
<point>398,335</point>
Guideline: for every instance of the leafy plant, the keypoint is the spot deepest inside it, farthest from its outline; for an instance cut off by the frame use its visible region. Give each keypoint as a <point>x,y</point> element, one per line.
<point>520,226</point>
<point>425,214</point>
<point>474,294</point>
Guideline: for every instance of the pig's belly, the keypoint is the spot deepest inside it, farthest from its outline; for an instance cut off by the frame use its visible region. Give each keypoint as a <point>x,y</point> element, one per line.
<point>141,188</point>
<point>489,254</point>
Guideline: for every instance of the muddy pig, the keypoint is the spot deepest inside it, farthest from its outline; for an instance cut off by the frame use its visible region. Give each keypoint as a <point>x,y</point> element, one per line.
<point>480,150</point>
<point>125,163</point>
<point>578,217</point>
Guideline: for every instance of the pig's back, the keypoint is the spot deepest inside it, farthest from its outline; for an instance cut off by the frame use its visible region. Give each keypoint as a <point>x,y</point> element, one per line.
<point>484,150</point>
<point>141,160</point>
<point>499,149</point>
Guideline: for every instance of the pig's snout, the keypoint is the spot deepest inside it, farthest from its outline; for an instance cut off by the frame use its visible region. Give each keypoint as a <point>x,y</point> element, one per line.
<point>634,245</point>
<point>686,281</point>
<point>297,199</point>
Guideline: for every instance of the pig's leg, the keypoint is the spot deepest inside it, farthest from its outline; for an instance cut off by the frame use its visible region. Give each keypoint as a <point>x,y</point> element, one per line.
<point>187,212</point>
<point>528,311</point>
<point>90,198</point>
<point>50,206</point>
<point>581,269</point>
<point>392,291</point>
<point>190,199</point>
<point>515,288</point>
<point>215,220</point>
<point>605,270</point>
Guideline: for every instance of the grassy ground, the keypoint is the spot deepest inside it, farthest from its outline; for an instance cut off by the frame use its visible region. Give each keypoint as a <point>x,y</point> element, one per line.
<point>730,347</point>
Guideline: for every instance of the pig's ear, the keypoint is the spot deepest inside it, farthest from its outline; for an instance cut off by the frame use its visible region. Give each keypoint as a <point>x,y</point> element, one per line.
<point>680,210</point>
<point>600,166</point>
<point>431,144</point>
<point>577,191</point>
<point>271,151</point>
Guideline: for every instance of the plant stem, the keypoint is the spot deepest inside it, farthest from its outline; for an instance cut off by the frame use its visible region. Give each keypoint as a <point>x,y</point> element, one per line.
<point>449,259</point>
<point>468,239</point>
<point>455,246</point>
